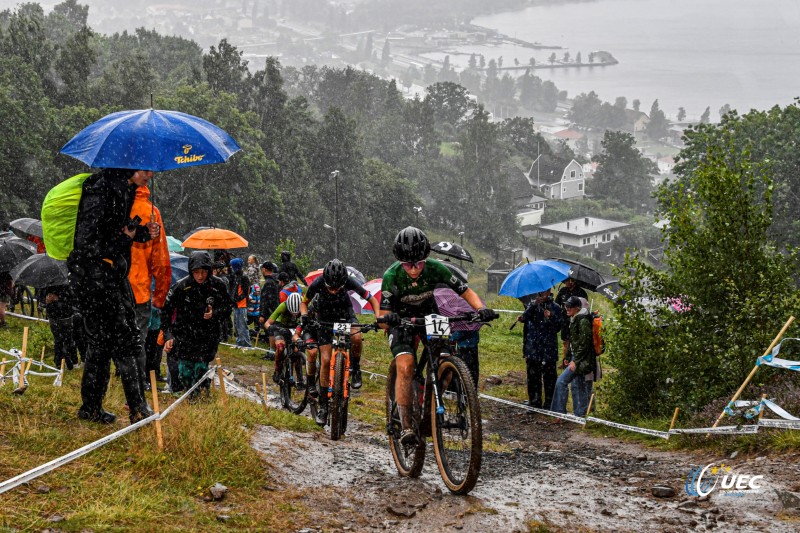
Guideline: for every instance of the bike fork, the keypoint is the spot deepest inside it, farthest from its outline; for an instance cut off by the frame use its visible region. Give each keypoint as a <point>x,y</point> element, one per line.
<point>435,383</point>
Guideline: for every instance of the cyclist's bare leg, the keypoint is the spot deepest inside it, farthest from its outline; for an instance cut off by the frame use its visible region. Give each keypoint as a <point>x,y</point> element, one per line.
<point>402,387</point>
<point>355,351</point>
<point>311,361</point>
<point>280,346</point>
<point>325,369</point>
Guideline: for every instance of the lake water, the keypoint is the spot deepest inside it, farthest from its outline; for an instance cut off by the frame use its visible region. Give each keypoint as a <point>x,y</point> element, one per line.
<point>690,53</point>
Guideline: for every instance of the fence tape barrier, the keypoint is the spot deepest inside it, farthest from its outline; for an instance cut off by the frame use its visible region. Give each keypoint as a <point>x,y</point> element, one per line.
<point>721,430</point>
<point>783,424</point>
<point>245,348</point>
<point>186,394</point>
<point>563,416</point>
<point>55,463</point>
<point>778,410</point>
<point>645,431</point>
<point>26,317</point>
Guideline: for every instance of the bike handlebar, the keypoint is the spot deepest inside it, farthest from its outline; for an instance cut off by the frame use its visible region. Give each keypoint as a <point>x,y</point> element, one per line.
<point>473,316</point>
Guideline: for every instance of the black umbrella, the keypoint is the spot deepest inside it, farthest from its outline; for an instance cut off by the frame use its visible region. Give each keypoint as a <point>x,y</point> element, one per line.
<point>195,230</point>
<point>14,252</point>
<point>458,272</point>
<point>586,276</point>
<point>39,271</point>
<point>26,226</point>
<point>452,249</point>
<point>611,290</point>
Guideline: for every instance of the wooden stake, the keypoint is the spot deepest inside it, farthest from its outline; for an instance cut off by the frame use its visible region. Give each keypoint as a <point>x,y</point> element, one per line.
<point>3,372</point>
<point>25,343</point>
<point>222,383</point>
<point>674,418</point>
<point>257,334</point>
<point>589,408</point>
<point>41,359</point>
<point>264,390</point>
<point>763,406</point>
<point>63,366</point>
<point>154,391</point>
<point>755,369</point>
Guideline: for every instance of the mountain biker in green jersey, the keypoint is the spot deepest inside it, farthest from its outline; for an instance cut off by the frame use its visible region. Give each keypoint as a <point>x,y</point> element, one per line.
<point>407,291</point>
<point>283,327</point>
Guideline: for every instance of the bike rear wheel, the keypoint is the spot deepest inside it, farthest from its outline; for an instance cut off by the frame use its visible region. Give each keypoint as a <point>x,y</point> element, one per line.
<point>338,403</point>
<point>409,460</point>
<point>457,432</point>
<point>24,298</point>
<point>294,394</point>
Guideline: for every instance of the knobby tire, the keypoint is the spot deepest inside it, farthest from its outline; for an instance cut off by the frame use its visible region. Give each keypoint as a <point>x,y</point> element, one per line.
<point>409,462</point>
<point>457,434</point>
<point>337,402</point>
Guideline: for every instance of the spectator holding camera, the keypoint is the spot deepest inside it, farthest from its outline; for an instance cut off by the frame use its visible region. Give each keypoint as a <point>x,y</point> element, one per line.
<point>541,324</point>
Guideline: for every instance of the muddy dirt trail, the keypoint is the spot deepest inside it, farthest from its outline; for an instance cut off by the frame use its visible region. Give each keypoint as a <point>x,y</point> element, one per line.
<point>533,471</point>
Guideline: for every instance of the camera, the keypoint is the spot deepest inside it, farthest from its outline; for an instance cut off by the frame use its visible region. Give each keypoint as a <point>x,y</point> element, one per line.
<point>134,223</point>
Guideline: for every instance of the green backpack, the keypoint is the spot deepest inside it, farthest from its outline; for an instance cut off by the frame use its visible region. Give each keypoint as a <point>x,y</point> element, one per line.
<point>60,214</point>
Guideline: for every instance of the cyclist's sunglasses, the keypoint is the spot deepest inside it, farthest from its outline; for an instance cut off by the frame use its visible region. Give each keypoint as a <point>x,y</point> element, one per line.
<point>333,288</point>
<point>413,264</point>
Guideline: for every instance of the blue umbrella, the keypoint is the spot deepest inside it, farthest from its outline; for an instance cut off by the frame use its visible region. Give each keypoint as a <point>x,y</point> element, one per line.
<point>534,277</point>
<point>180,266</point>
<point>149,139</point>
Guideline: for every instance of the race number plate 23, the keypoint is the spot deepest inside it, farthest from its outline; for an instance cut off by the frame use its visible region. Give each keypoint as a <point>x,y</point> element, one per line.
<point>437,326</point>
<point>341,328</point>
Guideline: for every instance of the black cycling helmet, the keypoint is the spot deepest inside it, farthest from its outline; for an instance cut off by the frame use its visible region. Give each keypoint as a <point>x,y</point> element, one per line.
<point>411,245</point>
<point>335,274</point>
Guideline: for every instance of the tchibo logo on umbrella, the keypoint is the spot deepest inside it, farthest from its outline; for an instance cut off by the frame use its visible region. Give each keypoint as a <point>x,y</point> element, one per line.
<point>186,158</point>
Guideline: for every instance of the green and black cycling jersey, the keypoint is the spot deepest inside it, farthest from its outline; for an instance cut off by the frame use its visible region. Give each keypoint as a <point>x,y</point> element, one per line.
<point>414,297</point>
<point>284,318</point>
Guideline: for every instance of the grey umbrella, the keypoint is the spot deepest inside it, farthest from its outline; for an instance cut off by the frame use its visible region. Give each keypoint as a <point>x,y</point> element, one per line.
<point>39,271</point>
<point>26,226</point>
<point>13,252</point>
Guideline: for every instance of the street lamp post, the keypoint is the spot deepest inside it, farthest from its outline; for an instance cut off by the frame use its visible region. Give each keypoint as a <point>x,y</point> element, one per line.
<point>417,210</point>
<point>335,176</point>
<point>461,235</point>
<point>335,239</point>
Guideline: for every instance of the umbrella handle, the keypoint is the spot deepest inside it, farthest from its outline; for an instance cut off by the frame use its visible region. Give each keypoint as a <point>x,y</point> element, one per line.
<point>513,326</point>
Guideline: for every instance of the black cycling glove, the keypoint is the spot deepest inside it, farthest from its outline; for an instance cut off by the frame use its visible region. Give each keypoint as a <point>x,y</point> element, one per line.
<point>486,314</point>
<point>392,319</point>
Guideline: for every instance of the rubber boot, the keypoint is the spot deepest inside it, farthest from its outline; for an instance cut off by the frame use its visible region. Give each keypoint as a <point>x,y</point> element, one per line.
<point>355,375</point>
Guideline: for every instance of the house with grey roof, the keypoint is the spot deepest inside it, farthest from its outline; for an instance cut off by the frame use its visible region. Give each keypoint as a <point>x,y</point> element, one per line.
<point>571,185</point>
<point>588,235</point>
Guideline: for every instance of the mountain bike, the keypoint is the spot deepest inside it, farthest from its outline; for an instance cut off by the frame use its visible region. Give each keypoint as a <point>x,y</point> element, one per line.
<point>24,298</point>
<point>445,407</point>
<point>339,389</point>
<point>294,395</point>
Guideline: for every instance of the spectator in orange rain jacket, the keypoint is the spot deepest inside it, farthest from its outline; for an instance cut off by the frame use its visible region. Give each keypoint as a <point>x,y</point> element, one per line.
<point>150,267</point>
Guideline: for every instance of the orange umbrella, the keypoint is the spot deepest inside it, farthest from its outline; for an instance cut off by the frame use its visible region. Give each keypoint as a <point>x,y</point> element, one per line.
<point>215,239</point>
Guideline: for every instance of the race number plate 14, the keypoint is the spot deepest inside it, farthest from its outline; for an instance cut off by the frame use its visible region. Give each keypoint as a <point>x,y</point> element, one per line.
<point>341,328</point>
<point>437,326</point>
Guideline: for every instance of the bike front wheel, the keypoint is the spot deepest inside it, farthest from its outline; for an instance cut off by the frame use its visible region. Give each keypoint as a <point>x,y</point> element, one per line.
<point>294,394</point>
<point>457,431</point>
<point>409,460</point>
<point>338,402</point>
